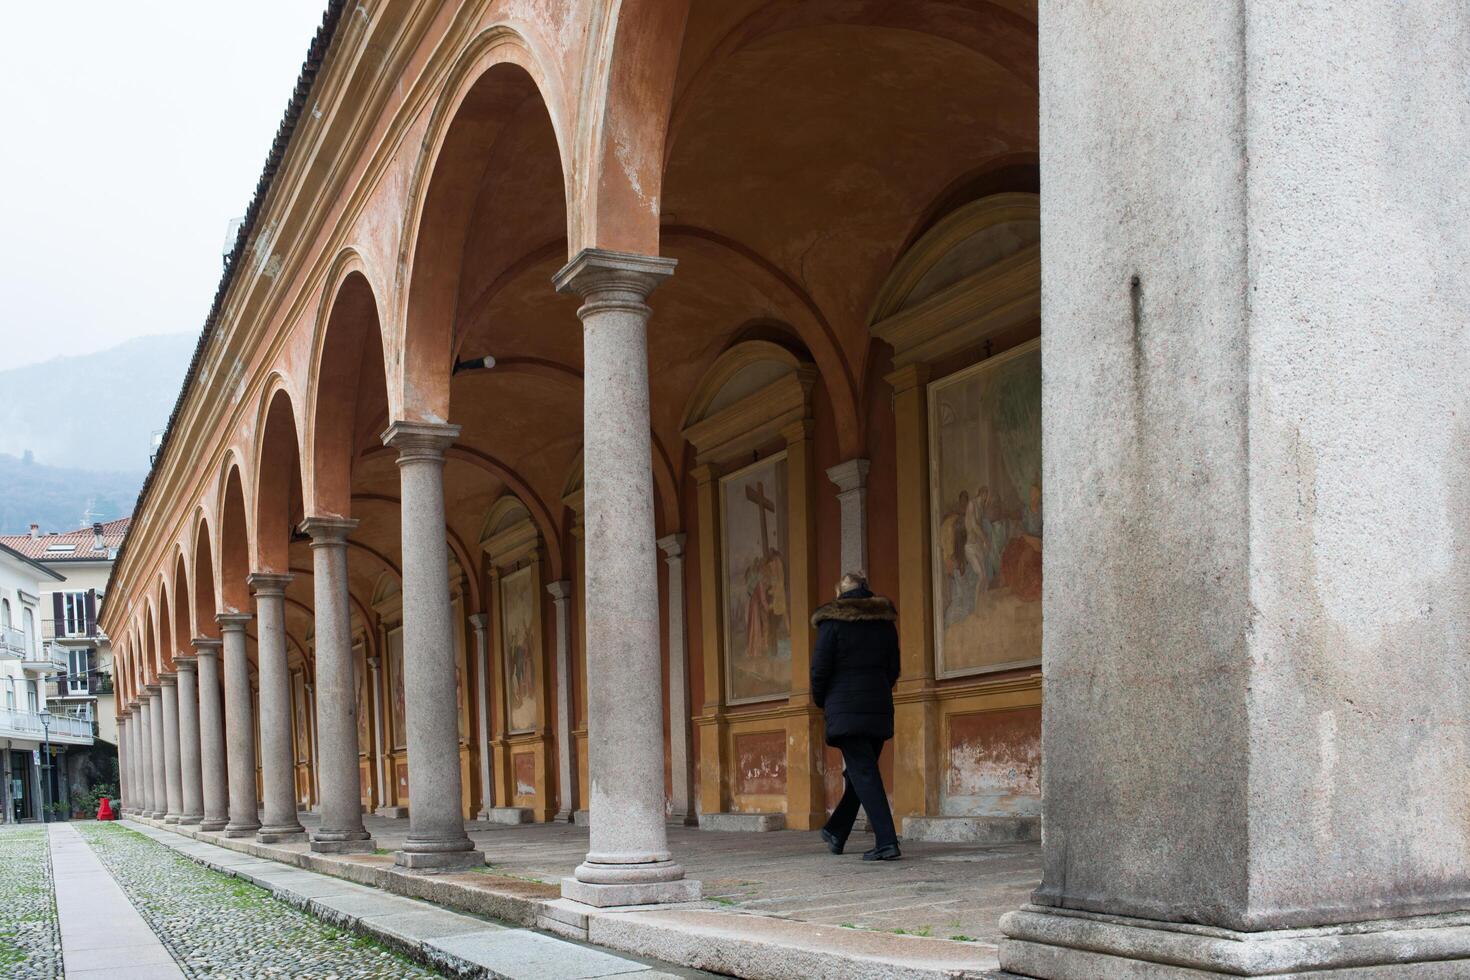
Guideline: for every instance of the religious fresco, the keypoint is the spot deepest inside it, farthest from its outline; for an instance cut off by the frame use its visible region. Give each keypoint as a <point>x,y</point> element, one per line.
<point>517,634</point>
<point>985,513</point>
<point>364,732</point>
<point>753,509</point>
<point>303,735</point>
<point>395,685</point>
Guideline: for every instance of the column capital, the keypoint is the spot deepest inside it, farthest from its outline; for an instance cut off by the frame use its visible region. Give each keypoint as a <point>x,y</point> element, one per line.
<point>328,530</point>
<point>559,591</point>
<point>849,475</point>
<point>599,270</point>
<point>480,621</point>
<point>672,545</point>
<point>233,621</point>
<point>907,377</point>
<point>373,662</point>
<point>153,690</point>
<point>168,678</point>
<point>268,583</point>
<point>205,646</point>
<point>184,662</point>
<point>420,440</point>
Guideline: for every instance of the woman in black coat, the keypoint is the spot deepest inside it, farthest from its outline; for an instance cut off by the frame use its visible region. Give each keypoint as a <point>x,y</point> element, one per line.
<point>854,669</point>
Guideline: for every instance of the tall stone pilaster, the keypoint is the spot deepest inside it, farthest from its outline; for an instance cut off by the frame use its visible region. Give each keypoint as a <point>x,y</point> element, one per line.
<point>681,768</point>
<point>213,771</point>
<point>277,758</point>
<point>566,774</point>
<point>628,861</point>
<point>173,782</point>
<point>380,758</point>
<point>1256,226</point>
<point>239,727</point>
<point>479,622</point>
<point>436,837</point>
<point>851,479</point>
<point>191,785</point>
<point>341,830</point>
<point>157,766</point>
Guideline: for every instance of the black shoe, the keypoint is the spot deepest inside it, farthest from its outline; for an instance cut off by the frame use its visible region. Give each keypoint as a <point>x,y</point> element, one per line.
<point>833,844</point>
<point>888,852</point>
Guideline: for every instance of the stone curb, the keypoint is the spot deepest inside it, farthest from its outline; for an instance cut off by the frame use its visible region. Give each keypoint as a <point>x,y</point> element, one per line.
<point>699,935</point>
<point>440,952</point>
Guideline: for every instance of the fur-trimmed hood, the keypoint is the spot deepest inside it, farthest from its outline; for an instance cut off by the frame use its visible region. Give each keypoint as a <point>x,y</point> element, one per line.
<point>856,610</point>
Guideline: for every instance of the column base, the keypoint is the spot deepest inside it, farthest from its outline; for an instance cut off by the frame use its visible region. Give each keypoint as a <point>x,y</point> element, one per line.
<point>439,860</point>
<point>393,812</point>
<point>361,845</point>
<point>213,826</point>
<point>170,818</point>
<point>241,829</point>
<point>280,834</point>
<point>632,893</point>
<point>563,816</point>
<point>190,819</point>
<point>505,814</point>
<point>1062,944</point>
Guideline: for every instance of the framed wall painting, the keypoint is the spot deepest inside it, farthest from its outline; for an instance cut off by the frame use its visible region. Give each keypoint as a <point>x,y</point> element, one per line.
<point>395,687</point>
<point>754,505</point>
<point>985,519</point>
<point>517,635</point>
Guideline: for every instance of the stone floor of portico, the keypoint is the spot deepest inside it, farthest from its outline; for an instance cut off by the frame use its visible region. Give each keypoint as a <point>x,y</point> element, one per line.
<point>939,906</point>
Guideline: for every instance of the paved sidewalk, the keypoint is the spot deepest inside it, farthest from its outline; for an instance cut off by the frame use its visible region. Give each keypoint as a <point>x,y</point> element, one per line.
<point>102,935</point>
<point>457,944</point>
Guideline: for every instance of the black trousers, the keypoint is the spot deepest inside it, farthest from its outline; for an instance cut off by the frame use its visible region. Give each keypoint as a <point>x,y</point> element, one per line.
<point>863,785</point>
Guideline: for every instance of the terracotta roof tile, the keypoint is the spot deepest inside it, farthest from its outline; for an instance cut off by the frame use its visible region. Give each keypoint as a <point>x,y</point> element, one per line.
<point>82,540</point>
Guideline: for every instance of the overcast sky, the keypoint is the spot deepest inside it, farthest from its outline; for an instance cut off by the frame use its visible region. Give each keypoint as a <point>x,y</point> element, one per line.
<point>133,133</point>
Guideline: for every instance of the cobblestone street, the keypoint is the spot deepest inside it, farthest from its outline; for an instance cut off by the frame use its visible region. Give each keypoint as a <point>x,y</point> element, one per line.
<point>219,926</point>
<point>30,940</point>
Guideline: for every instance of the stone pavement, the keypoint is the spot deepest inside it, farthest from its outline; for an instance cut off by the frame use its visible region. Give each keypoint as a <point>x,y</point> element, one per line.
<point>30,940</point>
<point>102,935</point>
<point>779,905</point>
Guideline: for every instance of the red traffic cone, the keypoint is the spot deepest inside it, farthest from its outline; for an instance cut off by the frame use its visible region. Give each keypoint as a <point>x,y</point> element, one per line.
<point>104,810</point>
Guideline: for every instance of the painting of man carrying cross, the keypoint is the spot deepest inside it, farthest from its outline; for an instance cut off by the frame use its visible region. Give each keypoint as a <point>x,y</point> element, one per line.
<point>757,594</point>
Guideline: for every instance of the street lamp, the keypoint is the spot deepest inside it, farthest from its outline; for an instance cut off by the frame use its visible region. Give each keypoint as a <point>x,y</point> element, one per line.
<point>46,766</point>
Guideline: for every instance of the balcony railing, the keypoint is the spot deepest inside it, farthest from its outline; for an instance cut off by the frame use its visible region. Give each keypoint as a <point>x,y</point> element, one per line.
<point>50,658</point>
<point>12,643</point>
<point>59,728</point>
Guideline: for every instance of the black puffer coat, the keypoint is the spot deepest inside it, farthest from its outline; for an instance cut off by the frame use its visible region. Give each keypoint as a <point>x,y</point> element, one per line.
<point>855,665</point>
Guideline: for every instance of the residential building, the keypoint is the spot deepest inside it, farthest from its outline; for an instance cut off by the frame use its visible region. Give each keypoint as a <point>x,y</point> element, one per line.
<point>78,564</point>
<point>41,742</point>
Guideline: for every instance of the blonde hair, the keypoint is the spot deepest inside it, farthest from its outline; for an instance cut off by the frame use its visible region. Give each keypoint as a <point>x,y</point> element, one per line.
<point>850,581</point>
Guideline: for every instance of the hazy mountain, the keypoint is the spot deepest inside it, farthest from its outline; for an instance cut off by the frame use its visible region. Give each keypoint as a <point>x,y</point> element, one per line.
<point>61,499</point>
<point>94,411</point>
<point>75,432</point>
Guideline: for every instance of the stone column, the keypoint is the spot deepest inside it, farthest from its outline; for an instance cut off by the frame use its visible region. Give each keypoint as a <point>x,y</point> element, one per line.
<point>158,768</point>
<point>143,764</point>
<point>212,766</point>
<point>680,767</point>
<point>436,837</point>
<point>1257,492</point>
<point>480,623</point>
<point>565,769</point>
<point>173,782</point>
<point>379,757</point>
<point>851,480</point>
<point>191,785</point>
<point>628,861</point>
<point>124,760</point>
<point>340,798</point>
<point>239,727</point>
<point>277,760</point>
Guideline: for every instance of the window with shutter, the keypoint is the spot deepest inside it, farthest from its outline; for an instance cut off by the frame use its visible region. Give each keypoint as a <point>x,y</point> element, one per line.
<point>91,612</point>
<point>58,614</point>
